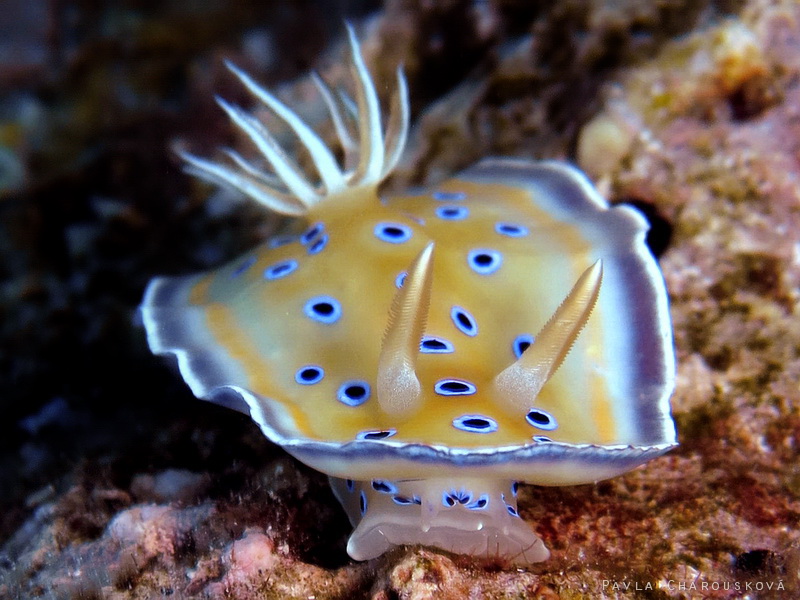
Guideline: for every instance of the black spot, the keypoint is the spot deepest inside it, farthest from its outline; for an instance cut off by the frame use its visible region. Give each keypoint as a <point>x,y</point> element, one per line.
<point>461,496</point>
<point>376,435</point>
<point>356,392</point>
<point>475,424</point>
<point>353,393</point>
<point>404,500</point>
<point>323,308</point>
<point>511,229</point>
<point>434,345</point>
<point>479,504</point>
<point>309,375</point>
<point>454,387</point>
<point>521,343</point>
<point>463,321</point>
<point>318,245</point>
<point>541,419</point>
<point>452,213</point>
<point>384,487</point>
<point>313,232</point>
<point>538,418</point>
<point>394,233</point>
<point>485,262</point>
<point>280,269</point>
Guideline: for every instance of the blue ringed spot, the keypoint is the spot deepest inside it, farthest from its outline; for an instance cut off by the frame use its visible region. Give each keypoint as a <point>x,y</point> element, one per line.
<point>512,511</point>
<point>353,393</point>
<point>378,434</point>
<point>394,233</point>
<point>280,269</point>
<point>400,279</point>
<point>475,424</point>
<point>324,309</point>
<point>351,485</point>
<point>311,233</point>
<point>362,502</point>
<point>319,244</point>
<point>521,343</point>
<point>383,486</point>
<point>484,262</point>
<point>435,345</point>
<point>309,375</point>
<point>280,240</point>
<point>542,439</point>
<point>515,488</point>
<point>246,264</point>
<point>511,229</point>
<point>453,497</point>
<point>481,503</point>
<point>454,387</point>
<point>541,419</point>
<point>452,213</point>
<point>452,196</point>
<point>405,500</point>
<point>464,321</point>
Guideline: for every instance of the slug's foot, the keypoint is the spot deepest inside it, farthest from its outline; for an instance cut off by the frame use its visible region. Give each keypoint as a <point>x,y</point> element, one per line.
<point>464,516</point>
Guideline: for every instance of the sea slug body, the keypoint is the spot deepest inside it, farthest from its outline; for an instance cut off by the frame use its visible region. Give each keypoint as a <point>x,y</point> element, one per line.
<point>427,351</point>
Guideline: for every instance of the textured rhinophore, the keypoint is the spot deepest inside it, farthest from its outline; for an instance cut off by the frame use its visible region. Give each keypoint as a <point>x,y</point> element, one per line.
<point>427,351</point>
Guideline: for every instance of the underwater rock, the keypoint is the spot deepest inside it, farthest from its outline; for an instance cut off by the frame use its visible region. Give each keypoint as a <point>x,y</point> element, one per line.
<point>714,154</point>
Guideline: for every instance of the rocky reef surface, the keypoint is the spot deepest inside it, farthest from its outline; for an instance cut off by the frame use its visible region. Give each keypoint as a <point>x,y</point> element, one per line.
<point>116,484</point>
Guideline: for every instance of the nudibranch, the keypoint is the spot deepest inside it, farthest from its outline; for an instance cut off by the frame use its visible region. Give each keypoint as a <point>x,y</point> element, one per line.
<point>427,351</point>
